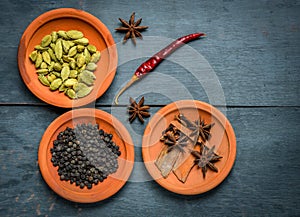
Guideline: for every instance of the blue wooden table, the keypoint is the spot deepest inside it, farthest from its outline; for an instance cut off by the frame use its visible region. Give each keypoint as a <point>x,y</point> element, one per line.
<point>252,54</point>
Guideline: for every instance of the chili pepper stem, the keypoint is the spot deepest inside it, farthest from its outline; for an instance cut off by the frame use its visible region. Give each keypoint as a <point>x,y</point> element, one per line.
<point>129,83</point>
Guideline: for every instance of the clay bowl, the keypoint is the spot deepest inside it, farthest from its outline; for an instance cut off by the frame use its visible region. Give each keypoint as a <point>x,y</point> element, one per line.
<point>222,137</point>
<point>67,19</point>
<point>109,186</point>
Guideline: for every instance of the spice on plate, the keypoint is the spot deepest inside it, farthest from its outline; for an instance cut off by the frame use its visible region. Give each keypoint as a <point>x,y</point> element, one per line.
<point>148,66</point>
<point>177,156</point>
<point>206,159</point>
<point>85,155</point>
<point>131,28</point>
<point>65,61</point>
<point>174,139</point>
<point>186,145</point>
<point>138,110</point>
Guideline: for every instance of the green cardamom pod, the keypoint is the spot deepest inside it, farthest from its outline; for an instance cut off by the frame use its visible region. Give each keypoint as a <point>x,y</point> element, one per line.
<point>52,46</point>
<point>62,88</point>
<point>51,78</point>
<point>58,50</point>
<point>54,36</point>
<point>81,69</point>
<point>50,67</point>
<point>71,43</point>
<point>82,90</point>
<point>74,34</point>
<point>43,65</point>
<point>39,60</point>
<point>80,60</point>
<point>52,55</point>
<point>42,71</point>
<point>57,74</point>
<point>71,93</point>
<point>66,46</point>
<point>33,55</point>
<point>82,41</point>
<point>57,67</point>
<point>46,41</point>
<point>72,51</point>
<point>43,80</point>
<point>86,55</point>
<point>65,64</point>
<point>40,48</point>
<point>96,57</point>
<point>72,64</point>
<point>65,72</point>
<point>68,59</point>
<point>73,74</point>
<point>62,34</point>
<point>78,86</point>
<point>46,57</point>
<point>86,77</point>
<point>70,82</point>
<point>92,48</point>
<point>80,48</point>
<point>91,66</point>
<point>55,84</point>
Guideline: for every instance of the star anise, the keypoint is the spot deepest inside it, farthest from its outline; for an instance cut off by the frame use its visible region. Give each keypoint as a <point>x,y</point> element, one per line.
<point>138,110</point>
<point>206,159</point>
<point>204,129</point>
<point>198,126</point>
<point>175,140</point>
<point>132,28</point>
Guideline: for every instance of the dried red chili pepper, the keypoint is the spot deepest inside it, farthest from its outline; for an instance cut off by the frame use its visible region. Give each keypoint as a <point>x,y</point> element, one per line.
<point>156,59</point>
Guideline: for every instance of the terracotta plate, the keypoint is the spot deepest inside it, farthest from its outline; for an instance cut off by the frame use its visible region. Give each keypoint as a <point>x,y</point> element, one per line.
<point>222,137</point>
<point>67,19</point>
<point>109,186</point>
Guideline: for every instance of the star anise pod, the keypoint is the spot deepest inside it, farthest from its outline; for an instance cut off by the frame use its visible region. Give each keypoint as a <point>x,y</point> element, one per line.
<point>132,28</point>
<point>204,129</point>
<point>175,140</point>
<point>199,126</point>
<point>138,110</point>
<point>206,159</point>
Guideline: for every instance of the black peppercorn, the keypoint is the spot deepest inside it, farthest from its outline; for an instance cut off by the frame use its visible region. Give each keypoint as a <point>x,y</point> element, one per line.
<point>84,155</point>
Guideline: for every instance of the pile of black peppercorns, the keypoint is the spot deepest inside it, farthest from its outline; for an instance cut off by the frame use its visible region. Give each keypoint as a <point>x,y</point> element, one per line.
<point>84,155</point>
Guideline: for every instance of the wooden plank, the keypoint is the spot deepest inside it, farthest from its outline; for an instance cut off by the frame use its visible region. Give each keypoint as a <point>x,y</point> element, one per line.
<point>252,46</point>
<point>264,180</point>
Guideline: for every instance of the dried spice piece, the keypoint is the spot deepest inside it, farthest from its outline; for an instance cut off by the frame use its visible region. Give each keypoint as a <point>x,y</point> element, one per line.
<point>204,129</point>
<point>182,172</point>
<point>191,133</point>
<point>150,64</point>
<point>177,149</point>
<point>66,55</point>
<point>84,155</point>
<point>174,139</point>
<point>138,110</point>
<point>166,160</point>
<point>197,126</point>
<point>132,28</point>
<point>206,159</point>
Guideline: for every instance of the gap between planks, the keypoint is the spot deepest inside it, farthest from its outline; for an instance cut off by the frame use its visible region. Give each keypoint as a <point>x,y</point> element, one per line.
<point>152,105</point>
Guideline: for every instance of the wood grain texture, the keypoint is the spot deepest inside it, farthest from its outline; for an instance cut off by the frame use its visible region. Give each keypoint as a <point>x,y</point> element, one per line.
<point>253,47</point>
<point>264,180</point>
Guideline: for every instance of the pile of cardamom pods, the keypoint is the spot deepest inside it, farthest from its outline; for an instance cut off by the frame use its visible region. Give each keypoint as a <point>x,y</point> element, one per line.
<point>65,61</point>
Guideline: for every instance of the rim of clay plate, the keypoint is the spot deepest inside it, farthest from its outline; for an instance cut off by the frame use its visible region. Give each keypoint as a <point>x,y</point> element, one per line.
<point>68,18</point>
<point>171,183</point>
<point>109,186</point>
